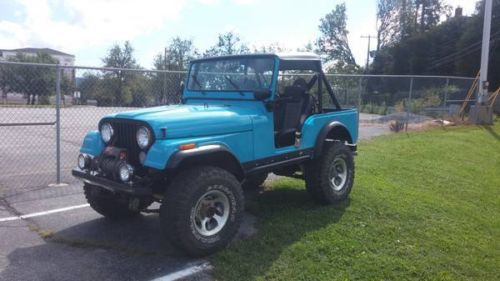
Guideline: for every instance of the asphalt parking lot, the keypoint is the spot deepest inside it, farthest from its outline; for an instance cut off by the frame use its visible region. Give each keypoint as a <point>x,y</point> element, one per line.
<point>50,233</point>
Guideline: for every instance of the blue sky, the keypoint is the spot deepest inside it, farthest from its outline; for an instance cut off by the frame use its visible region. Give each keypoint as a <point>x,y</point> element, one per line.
<point>87,28</point>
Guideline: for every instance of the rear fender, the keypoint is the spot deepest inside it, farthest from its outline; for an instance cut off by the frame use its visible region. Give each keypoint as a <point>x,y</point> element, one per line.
<point>332,131</point>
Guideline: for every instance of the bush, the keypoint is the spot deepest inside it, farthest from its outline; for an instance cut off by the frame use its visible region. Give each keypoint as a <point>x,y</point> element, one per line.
<point>374,109</point>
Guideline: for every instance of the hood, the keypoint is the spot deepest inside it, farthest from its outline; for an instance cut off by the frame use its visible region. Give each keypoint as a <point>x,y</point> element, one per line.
<point>182,121</point>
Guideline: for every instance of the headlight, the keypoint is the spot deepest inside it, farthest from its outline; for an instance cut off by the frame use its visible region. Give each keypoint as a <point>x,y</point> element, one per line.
<point>83,161</point>
<point>143,136</point>
<point>125,172</point>
<point>106,132</point>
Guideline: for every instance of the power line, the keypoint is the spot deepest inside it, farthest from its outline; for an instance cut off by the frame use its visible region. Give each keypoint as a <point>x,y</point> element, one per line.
<point>461,53</point>
<point>468,47</point>
<point>457,56</point>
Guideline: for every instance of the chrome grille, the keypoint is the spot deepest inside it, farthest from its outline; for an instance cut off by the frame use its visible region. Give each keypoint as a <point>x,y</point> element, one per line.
<point>124,137</point>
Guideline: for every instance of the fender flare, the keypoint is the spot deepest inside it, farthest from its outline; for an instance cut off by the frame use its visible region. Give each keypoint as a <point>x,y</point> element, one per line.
<point>323,133</point>
<point>178,157</point>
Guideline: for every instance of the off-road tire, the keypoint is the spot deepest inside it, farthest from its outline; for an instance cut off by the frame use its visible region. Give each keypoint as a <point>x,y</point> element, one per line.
<point>107,204</point>
<point>178,209</point>
<point>317,174</point>
<point>254,181</point>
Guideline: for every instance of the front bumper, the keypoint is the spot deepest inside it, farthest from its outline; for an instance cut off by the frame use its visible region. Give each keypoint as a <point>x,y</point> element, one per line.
<point>132,189</point>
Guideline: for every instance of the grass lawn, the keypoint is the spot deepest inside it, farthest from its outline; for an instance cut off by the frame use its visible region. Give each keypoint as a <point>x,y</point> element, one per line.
<point>425,206</point>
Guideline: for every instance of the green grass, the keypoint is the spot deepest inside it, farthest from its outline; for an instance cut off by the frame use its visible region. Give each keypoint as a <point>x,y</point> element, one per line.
<point>425,206</point>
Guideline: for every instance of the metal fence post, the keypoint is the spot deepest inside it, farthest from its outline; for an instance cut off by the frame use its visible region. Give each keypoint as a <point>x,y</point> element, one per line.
<point>58,124</point>
<point>445,100</point>
<point>360,86</point>
<point>408,106</point>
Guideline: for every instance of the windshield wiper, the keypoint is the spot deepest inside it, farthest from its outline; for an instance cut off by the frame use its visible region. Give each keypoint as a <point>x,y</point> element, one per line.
<point>236,87</point>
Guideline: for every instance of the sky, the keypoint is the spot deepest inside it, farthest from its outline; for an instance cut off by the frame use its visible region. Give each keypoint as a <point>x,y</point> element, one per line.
<point>88,28</point>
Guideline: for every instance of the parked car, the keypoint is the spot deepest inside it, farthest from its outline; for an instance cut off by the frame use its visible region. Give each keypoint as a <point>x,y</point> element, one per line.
<point>241,117</point>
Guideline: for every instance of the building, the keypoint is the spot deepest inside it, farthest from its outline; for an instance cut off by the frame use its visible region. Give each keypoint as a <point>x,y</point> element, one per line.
<point>63,58</point>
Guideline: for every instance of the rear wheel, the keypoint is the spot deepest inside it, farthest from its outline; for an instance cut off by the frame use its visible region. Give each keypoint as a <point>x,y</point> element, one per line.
<point>108,204</point>
<point>202,210</point>
<point>254,181</point>
<point>329,179</point>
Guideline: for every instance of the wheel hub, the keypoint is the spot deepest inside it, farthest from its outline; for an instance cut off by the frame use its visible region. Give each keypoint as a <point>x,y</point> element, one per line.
<point>338,173</point>
<point>212,213</point>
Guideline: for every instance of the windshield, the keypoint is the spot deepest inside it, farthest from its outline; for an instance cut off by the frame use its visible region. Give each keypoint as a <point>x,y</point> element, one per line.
<point>231,74</point>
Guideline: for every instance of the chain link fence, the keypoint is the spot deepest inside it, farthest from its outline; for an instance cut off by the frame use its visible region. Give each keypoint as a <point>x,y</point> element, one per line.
<point>46,110</point>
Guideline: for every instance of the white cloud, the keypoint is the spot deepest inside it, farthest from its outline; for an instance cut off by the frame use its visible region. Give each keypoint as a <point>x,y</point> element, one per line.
<point>78,24</point>
<point>244,2</point>
<point>209,2</point>
<point>238,2</point>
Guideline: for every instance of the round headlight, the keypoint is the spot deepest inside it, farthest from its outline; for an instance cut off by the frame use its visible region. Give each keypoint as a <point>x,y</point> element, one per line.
<point>83,161</point>
<point>106,132</point>
<point>143,137</point>
<point>125,171</point>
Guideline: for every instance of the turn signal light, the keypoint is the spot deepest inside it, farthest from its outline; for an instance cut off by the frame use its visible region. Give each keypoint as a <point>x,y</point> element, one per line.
<point>187,146</point>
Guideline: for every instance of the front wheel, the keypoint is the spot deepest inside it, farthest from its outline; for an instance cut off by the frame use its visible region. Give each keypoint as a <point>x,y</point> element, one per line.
<point>202,210</point>
<point>329,179</point>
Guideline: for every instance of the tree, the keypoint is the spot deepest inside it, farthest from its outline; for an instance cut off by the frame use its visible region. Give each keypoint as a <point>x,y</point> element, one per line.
<point>179,53</point>
<point>229,43</point>
<point>428,13</point>
<point>5,78</point>
<point>119,87</point>
<point>333,43</point>
<point>120,57</point>
<point>35,82</point>
<point>451,47</point>
<point>308,47</point>
<point>398,20</point>
<point>270,49</point>
<point>467,59</point>
<point>88,86</point>
<point>387,22</point>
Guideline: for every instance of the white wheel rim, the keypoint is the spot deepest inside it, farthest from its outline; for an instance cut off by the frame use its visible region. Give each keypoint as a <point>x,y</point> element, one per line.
<point>211,213</point>
<point>338,174</point>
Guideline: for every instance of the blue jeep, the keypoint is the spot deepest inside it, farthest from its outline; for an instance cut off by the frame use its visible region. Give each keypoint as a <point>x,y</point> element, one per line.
<point>241,117</point>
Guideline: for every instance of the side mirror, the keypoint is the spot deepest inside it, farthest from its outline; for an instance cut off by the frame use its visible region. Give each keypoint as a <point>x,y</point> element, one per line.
<point>262,94</point>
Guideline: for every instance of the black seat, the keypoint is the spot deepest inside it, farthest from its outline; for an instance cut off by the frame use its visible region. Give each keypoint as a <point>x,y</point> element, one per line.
<point>293,108</point>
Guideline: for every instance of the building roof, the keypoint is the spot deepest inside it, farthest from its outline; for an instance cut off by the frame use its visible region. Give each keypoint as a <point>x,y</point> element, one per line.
<point>38,50</point>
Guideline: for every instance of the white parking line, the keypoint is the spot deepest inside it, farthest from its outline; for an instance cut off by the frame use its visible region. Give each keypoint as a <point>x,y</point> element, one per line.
<point>38,214</point>
<point>185,272</point>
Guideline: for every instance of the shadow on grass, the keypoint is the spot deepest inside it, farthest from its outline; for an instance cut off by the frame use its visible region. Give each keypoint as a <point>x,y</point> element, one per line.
<point>492,132</point>
<point>285,216</point>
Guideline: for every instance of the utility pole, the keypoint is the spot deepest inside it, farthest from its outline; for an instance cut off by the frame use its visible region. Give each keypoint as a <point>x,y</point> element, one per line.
<point>485,49</point>
<point>481,113</point>
<point>369,37</point>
